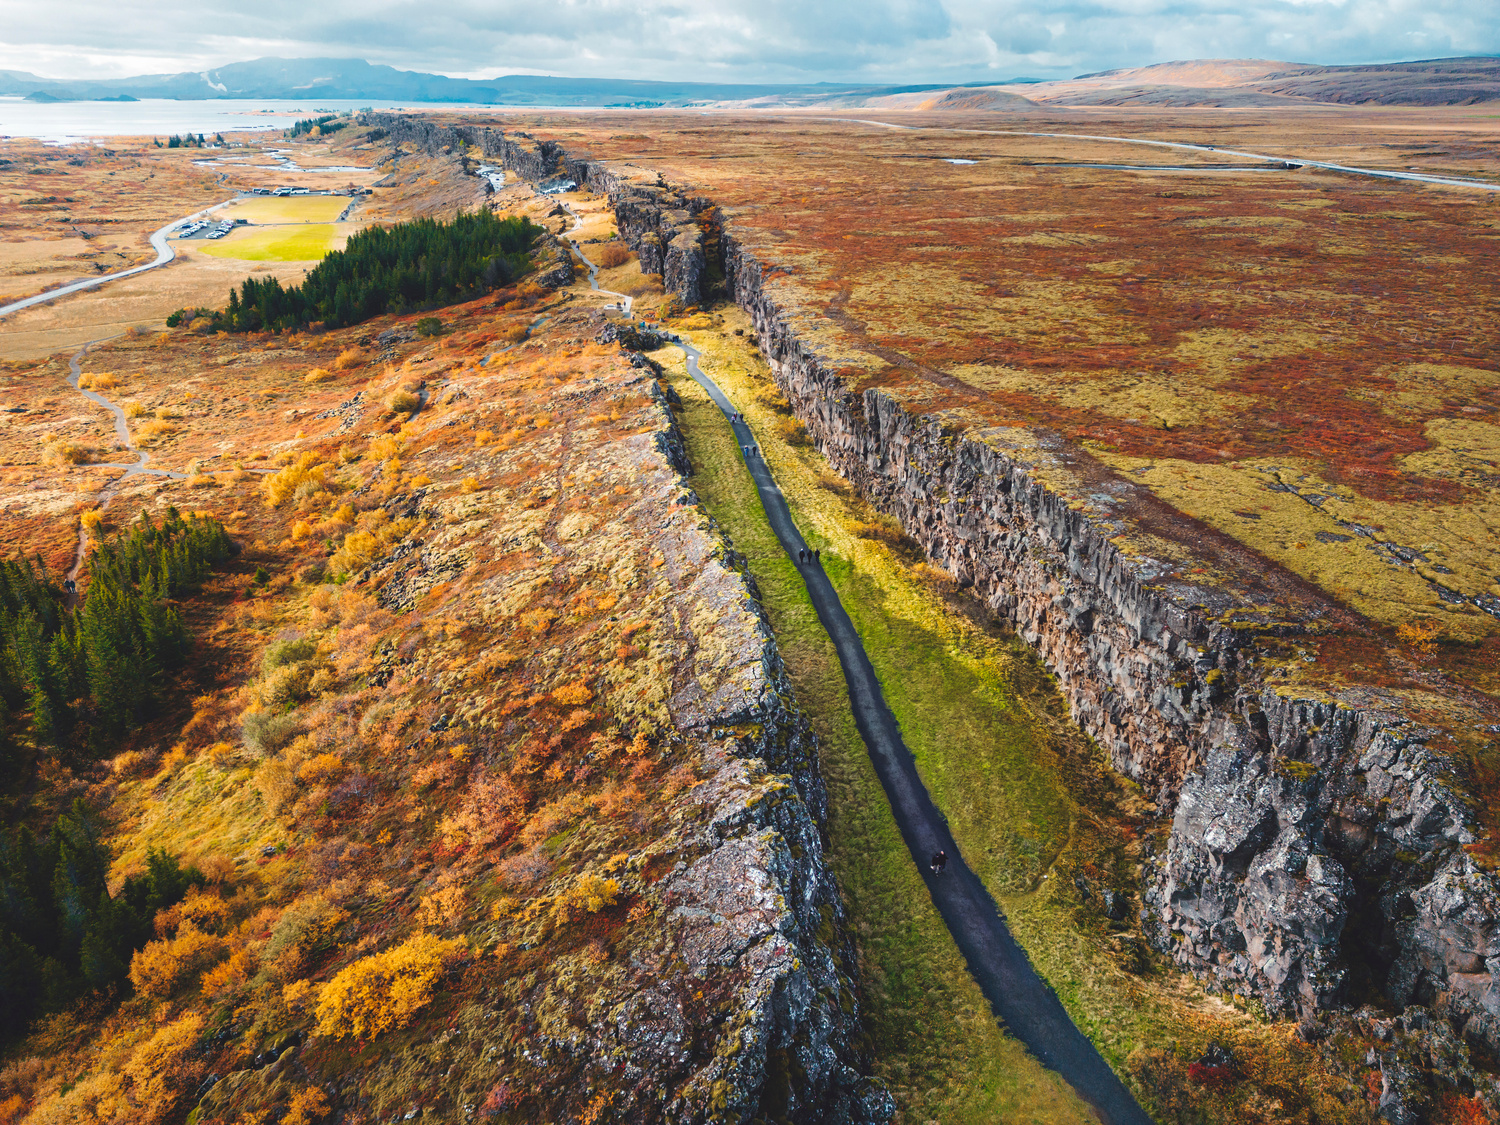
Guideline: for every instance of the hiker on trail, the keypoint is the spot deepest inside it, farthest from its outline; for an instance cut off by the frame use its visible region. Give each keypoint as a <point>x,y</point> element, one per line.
<point>818,555</point>
<point>939,861</point>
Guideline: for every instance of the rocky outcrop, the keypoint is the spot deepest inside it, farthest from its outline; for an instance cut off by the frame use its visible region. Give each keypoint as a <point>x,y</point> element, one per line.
<point>1309,838</point>
<point>554,263</point>
<point>657,221</point>
<point>759,899</point>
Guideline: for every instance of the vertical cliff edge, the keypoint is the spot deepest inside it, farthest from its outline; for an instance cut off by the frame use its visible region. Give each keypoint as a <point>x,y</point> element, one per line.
<point>1319,845</point>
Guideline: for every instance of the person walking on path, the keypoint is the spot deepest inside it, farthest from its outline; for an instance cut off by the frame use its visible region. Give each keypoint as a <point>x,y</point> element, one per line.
<point>939,861</point>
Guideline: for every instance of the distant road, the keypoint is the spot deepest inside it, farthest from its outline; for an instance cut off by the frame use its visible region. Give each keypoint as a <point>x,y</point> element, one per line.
<point>1416,177</point>
<point>164,254</point>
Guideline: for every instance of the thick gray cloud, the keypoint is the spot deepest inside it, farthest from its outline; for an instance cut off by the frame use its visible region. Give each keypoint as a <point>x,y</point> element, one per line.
<point>735,40</point>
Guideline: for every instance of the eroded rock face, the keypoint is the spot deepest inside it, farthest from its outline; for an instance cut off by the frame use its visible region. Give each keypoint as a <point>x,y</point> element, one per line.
<point>1309,838</point>
<point>760,901</point>
<point>659,222</point>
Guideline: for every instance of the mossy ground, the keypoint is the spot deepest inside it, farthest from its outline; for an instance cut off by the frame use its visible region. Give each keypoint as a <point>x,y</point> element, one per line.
<point>1029,798</point>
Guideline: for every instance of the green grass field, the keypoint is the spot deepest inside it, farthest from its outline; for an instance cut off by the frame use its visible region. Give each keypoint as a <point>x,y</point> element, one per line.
<point>288,209</point>
<point>276,244</point>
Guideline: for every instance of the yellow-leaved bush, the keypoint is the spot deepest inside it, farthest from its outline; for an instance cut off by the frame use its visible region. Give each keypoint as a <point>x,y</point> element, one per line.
<point>155,1067</point>
<point>283,484</point>
<point>160,968</point>
<point>588,894</point>
<point>384,991</point>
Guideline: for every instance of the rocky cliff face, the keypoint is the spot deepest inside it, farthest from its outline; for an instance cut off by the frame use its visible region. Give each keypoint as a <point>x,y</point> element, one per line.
<point>760,897</point>
<point>658,221</point>
<point>1311,838</point>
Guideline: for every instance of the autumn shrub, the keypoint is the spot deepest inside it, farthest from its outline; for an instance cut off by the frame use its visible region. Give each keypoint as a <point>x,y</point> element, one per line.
<point>588,894</point>
<point>403,402</point>
<point>573,694</point>
<point>103,381</point>
<point>384,991</point>
<point>318,375</point>
<point>322,770</point>
<point>1422,635</point>
<point>160,968</point>
<point>444,907</point>
<point>307,1107</point>
<point>67,453</point>
<point>276,783</point>
<point>97,1097</point>
<point>282,485</point>
<point>204,909</point>
<point>160,1066</point>
<point>227,974</point>
<point>266,732</point>
<point>612,254</point>
<point>792,432</point>
<point>292,650</point>
<point>355,553</point>
<point>308,927</point>
<point>350,357</point>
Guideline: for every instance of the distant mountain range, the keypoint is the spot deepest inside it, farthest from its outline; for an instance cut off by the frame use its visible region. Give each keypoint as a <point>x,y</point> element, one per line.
<point>356,79</point>
<point>1204,82</point>
<point>1261,82</point>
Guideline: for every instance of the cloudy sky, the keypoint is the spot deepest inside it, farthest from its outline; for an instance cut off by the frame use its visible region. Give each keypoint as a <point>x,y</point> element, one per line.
<point>734,40</point>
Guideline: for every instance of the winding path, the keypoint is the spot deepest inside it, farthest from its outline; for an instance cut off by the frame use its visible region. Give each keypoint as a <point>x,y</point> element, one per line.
<point>1023,1001</point>
<point>164,254</point>
<point>122,430</point>
<point>1416,177</point>
<point>626,301</point>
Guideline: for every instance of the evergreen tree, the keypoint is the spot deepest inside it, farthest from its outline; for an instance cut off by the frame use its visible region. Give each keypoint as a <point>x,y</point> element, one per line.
<point>418,264</point>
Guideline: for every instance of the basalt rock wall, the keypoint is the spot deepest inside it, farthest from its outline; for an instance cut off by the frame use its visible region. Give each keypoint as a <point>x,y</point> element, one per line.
<point>763,898</point>
<point>1311,841</point>
<point>656,220</point>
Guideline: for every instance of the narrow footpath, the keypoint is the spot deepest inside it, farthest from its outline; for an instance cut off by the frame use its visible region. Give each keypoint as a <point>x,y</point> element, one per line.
<point>122,431</point>
<point>1025,1003</point>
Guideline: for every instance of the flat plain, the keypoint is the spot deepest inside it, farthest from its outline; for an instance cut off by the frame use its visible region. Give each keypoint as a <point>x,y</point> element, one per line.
<point>1279,355</point>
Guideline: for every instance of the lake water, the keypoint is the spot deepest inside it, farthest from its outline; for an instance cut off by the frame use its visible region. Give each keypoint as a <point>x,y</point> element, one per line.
<point>75,122</point>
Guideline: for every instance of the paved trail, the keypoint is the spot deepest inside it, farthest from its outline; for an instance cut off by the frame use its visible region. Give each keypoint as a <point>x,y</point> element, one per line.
<point>1023,1001</point>
<point>1378,173</point>
<point>1029,1008</point>
<point>164,254</point>
<point>626,301</point>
